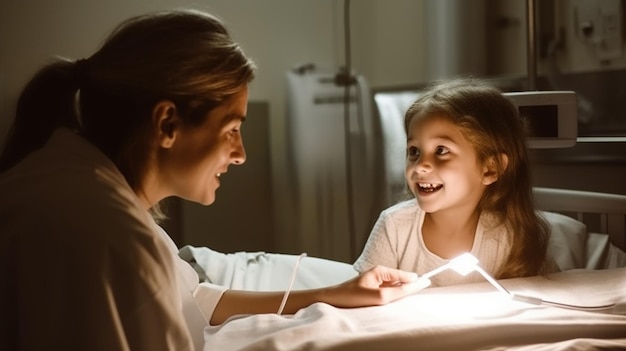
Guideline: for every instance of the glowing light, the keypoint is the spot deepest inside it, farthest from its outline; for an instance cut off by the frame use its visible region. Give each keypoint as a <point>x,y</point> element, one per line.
<point>466,263</point>
<point>462,264</point>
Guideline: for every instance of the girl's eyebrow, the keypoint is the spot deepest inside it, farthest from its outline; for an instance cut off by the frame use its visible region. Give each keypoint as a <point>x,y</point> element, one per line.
<point>445,138</point>
<point>438,138</point>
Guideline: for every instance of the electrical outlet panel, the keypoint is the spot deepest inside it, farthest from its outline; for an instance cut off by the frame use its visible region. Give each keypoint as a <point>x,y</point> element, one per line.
<point>599,24</point>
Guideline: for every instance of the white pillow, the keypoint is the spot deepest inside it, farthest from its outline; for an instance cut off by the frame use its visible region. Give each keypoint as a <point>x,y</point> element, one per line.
<point>568,241</point>
<point>261,271</point>
<point>602,254</point>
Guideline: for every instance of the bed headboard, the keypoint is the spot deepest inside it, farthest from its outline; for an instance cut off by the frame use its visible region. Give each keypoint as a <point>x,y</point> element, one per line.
<point>601,212</point>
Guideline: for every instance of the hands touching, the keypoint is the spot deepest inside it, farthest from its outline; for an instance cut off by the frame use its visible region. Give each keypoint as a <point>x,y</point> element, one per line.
<point>377,286</point>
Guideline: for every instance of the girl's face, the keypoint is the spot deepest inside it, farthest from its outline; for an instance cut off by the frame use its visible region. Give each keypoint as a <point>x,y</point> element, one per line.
<point>201,154</point>
<point>442,169</point>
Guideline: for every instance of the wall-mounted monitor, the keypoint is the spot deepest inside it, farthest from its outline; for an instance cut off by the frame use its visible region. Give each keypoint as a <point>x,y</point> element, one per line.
<point>552,117</point>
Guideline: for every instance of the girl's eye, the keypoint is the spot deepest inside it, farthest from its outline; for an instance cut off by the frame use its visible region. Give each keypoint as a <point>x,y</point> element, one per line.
<point>412,152</point>
<point>441,150</point>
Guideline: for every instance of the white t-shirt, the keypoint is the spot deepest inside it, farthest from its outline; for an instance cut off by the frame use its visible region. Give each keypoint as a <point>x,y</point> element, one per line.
<point>198,300</point>
<point>396,241</point>
<point>82,264</point>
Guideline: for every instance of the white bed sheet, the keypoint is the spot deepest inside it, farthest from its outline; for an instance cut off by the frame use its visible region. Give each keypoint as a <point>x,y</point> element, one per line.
<point>462,317</point>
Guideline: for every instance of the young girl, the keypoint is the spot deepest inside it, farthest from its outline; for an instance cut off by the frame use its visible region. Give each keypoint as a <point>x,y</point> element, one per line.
<point>468,169</point>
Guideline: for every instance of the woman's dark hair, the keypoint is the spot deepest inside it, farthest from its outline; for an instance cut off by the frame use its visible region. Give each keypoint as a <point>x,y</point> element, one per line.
<point>185,56</point>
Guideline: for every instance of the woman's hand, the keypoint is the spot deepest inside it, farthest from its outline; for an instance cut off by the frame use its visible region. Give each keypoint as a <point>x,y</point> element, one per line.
<point>377,286</point>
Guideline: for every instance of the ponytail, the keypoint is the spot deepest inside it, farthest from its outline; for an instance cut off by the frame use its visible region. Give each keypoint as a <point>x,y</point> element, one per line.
<point>48,101</point>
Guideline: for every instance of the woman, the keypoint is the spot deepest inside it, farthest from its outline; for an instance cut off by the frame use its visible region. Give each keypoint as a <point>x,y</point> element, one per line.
<point>95,146</point>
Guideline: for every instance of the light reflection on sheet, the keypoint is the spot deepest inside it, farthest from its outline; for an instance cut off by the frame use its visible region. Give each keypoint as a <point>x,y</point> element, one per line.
<point>458,307</point>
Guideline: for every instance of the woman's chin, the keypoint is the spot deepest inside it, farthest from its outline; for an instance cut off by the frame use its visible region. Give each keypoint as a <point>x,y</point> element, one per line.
<point>204,199</point>
<point>208,201</point>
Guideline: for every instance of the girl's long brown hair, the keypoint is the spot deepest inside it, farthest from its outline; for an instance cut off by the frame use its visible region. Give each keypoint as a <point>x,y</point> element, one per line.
<point>492,125</point>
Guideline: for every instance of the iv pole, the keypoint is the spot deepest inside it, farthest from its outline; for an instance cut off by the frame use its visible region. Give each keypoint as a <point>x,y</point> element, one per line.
<point>531,45</point>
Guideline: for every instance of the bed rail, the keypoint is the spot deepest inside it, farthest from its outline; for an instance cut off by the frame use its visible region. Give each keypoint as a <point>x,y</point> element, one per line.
<point>601,212</point>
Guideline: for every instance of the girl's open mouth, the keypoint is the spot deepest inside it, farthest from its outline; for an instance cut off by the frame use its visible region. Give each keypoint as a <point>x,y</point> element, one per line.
<point>428,187</point>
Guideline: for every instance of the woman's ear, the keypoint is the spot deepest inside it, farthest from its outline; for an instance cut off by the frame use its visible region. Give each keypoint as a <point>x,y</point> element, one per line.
<point>492,169</point>
<point>166,122</point>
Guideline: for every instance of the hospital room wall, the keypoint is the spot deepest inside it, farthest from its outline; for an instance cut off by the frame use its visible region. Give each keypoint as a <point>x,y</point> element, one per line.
<point>389,48</point>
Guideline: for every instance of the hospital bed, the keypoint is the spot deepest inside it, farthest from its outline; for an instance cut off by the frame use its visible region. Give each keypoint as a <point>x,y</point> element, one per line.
<point>464,317</point>
<point>589,295</point>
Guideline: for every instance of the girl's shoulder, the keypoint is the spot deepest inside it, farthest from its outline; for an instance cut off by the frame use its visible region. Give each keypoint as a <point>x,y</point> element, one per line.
<point>490,221</point>
<point>404,208</point>
<point>492,227</point>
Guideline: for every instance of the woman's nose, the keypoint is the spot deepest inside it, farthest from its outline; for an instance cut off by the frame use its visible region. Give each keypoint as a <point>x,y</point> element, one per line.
<point>238,155</point>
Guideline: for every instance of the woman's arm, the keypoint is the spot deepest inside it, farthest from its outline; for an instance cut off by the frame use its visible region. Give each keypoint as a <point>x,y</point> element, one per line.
<point>377,286</point>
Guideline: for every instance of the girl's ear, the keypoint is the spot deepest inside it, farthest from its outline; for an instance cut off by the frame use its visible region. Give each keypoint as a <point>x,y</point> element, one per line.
<point>492,169</point>
<point>166,123</point>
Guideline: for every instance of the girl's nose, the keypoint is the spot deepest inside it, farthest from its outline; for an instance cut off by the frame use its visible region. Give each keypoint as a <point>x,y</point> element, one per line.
<point>422,165</point>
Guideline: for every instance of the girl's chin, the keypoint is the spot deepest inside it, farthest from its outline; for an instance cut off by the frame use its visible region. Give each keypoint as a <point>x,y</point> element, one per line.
<point>426,206</point>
